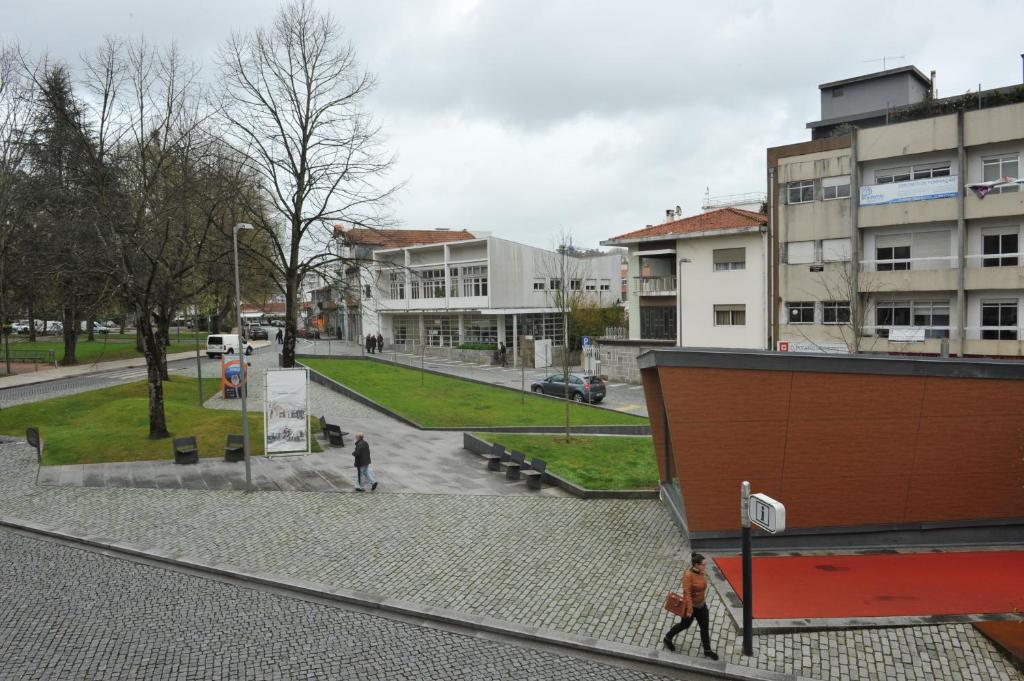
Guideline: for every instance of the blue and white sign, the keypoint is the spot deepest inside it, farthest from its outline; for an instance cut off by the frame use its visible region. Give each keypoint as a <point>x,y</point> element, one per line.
<point>585,340</point>
<point>911,190</point>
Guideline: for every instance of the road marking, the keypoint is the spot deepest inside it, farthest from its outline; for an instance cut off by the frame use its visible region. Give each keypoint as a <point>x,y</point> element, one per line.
<point>635,387</point>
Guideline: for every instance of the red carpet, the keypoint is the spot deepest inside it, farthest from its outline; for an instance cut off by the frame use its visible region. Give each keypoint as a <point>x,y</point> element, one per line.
<point>882,585</point>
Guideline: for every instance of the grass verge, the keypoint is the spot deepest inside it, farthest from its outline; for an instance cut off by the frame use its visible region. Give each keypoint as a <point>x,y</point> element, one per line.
<point>99,350</point>
<point>112,424</point>
<point>606,462</point>
<point>447,402</point>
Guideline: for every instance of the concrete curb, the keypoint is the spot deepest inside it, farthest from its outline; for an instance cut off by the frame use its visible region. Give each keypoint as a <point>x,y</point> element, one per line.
<point>508,630</point>
<point>331,384</point>
<point>478,446</point>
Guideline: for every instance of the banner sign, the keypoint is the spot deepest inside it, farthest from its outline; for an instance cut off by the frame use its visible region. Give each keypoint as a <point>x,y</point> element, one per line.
<point>911,190</point>
<point>286,412</point>
<point>230,376</point>
<point>907,334</point>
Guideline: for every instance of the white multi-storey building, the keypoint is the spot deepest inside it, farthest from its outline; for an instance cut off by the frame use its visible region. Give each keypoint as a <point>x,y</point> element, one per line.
<point>481,290</point>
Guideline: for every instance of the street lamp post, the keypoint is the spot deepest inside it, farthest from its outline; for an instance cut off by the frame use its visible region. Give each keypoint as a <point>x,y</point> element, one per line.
<point>241,359</point>
<point>679,300</point>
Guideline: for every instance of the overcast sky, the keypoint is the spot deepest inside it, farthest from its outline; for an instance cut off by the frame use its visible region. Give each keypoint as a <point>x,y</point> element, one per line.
<point>528,117</point>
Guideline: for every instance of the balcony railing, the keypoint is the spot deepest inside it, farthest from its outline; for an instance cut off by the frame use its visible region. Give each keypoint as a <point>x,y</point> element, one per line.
<point>994,260</point>
<point>655,286</point>
<point>945,262</point>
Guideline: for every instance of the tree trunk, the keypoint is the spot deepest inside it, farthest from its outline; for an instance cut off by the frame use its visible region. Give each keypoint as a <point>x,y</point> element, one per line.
<point>290,319</point>
<point>70,336</point>
<point>157,418</point>
<point>139,344</point>
<point>163,331</point>
<point>89,328</point>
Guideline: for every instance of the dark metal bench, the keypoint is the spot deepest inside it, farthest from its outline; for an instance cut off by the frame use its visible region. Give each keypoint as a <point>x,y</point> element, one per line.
<point>335,435</point>
<point>496,457</point>
<point>512,467</point>
<point>234,450</point>
<point>186,450</point>
<point>34,356</point>
<point>35,440</point>
<point>535,476</point>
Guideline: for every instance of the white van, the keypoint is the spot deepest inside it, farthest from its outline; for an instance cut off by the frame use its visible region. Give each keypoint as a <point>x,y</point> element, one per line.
<point>224,344</point>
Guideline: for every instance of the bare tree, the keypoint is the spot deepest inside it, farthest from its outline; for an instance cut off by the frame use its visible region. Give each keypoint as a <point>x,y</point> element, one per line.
<point>293,98</point>
<point>842,324</point>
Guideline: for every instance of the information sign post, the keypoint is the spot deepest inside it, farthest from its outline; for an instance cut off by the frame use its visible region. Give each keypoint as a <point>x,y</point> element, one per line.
<point>769,515</point>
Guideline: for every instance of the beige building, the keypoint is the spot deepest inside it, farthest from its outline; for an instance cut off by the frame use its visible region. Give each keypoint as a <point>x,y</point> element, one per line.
<point>897,229</point>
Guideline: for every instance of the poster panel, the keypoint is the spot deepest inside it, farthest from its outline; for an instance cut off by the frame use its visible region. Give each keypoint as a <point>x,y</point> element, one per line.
<point>230,376</point>
<point>286,410</point>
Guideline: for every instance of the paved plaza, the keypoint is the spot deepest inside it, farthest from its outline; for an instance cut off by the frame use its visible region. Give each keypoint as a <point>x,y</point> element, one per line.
<point>595,568</point>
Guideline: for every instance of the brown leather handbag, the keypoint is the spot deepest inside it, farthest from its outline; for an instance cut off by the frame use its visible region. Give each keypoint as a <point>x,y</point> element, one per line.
<point>674,604</point>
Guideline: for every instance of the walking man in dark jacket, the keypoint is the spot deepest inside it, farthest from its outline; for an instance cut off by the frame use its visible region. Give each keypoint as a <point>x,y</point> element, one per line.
<point>362,457</point>
<point>380,342</point>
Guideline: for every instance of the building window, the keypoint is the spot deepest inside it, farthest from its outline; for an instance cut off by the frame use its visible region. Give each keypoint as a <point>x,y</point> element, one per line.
<point>538,284</point>
<point>800,313</point>
<point>890,175</point>
<point>548,325</point>
<point>835,188</point>
<point>555,284</point>
<point>474,281</point>
<point>397,286</point>
<point>995,167</point>
<point>730,315</point>
<point>606,285</point>
<point>920,250</point>
<point>366,291</point>
<point>836,250</point>
<point>835,312</point>
<point>889,314</point>
<point>1002,245</point>
<point>729,259</point>
<point>933,315</point>
<point>453,282</point>
<point>575,284</point>
<point>892,252</point>
<point>999,320</point>
<point>799,252</point>
<point>431,283</point>
<point>800,192</point>
<point>927,170</point>
<point>658,322</point>
<point>591,285</point>
<point>442,331</point>
<point>480,329</point>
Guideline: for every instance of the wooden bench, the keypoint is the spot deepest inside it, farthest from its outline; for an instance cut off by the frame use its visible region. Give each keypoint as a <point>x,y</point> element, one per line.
<point>33,356</point>
<point>496,457</point>
<point>334,434</point>
<point>35,440</point>
<point>234,450</point>
<point>512,467</point>
<point>535,476</point>
<point>186,450</point>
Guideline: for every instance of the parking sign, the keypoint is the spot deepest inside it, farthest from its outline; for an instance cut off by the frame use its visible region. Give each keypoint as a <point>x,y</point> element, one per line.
<point>585,340</point>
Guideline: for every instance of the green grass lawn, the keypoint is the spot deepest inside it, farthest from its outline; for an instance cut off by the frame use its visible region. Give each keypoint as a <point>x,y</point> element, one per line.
<point>100,350</point>
<point>590,462</point>
<point>448,402</point>
<point>112,424</point>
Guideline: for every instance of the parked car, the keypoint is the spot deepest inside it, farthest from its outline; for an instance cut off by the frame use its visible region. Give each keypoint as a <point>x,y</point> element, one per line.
<point>20,326</point>
<point>257,333</point>
<point>582,387</point>
<point>98,327</point>
<point>224,344</point>
<point>309,332</point>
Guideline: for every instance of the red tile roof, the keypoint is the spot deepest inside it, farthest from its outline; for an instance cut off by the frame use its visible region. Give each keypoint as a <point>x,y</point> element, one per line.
<point>399,238</point>
<point>723,218</point>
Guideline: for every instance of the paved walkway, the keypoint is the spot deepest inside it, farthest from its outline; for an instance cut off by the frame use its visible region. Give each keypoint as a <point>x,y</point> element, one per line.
<point>596,568</point>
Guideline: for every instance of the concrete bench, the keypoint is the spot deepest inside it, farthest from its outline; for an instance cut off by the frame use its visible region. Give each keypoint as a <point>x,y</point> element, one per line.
<point>234,450</point>
<point>535,475</point>
<point>185,450</point>
<point>512,467</point>
<point>496,457</point>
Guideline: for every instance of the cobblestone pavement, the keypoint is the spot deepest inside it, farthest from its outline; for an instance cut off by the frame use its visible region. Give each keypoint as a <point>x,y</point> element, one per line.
<point>72,613</point>
<point>596,568</point>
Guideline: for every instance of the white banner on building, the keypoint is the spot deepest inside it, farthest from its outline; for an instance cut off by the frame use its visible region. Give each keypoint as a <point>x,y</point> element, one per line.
<point>809,346</point>
<point>286,412</point>
<point>911,190</point>
<point>906,334</point>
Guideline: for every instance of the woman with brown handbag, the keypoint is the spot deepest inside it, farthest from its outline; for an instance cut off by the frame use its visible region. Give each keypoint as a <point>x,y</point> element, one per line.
<point>695,586</point>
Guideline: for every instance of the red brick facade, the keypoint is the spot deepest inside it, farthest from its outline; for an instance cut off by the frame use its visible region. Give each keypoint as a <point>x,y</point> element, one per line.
<point>841,449</point>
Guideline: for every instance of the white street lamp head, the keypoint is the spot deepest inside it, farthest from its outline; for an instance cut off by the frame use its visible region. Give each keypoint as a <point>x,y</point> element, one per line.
<point>243,225</point>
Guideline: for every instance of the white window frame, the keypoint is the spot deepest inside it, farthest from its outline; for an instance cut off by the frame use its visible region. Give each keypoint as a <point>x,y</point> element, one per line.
<point>837,187</point>
<point>835,306</point>
<point>999,257</point>
<point>733,313</point>
<point>999,328</point>
<point>803,305</point>
<point>999,160</point>
<point>800,187</point>
<point>606,284</point>
<point>539,285</point>
<point>730,265</point>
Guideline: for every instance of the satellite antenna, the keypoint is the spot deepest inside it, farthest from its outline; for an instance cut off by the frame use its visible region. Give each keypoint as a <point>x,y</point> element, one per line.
<point>882,59</point>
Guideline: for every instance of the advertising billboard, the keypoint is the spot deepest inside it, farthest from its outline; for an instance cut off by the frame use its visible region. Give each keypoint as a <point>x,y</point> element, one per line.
<point>286,412</point>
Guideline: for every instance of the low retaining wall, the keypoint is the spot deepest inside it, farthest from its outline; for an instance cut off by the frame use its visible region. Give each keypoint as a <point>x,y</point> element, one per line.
<point>618,359</point>
<point>478,446</point>
<point>583,430</point>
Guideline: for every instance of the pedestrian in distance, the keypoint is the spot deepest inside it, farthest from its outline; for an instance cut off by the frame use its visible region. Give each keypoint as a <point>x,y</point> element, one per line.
<point>502,353</point>
<point>279,337</point>
<point>380,342</point>
<point>373,343</point>
<point>367,342</point>
<point>362,462</point>
<point>695,587</point>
